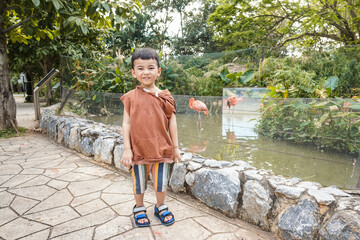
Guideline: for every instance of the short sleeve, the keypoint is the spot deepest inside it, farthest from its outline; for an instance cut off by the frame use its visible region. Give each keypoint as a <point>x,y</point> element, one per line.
<point>126,99</point>
<point>170,106</point>
<point>173,104</point>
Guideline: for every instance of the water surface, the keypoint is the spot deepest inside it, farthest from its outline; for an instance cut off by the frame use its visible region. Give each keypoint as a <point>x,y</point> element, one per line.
<point>230,136</point>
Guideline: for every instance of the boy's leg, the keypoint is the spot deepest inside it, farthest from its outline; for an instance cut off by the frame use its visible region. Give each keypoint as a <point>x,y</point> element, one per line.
<point>160,174</point>
<point>140,174</point>
<point>139,199</point>
<point>160,199</point>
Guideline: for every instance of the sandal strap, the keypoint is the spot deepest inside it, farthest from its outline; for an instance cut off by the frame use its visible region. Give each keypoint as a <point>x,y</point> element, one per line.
<point>139,209</point>
<point>140,216</point>
<point>166,213</point>
<point>162,207</point>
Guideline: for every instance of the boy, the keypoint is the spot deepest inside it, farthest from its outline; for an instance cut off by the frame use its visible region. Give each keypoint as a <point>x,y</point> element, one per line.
<point>149,117</point>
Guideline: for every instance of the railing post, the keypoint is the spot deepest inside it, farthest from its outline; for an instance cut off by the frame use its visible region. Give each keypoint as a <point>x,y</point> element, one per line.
<point>38,87</point>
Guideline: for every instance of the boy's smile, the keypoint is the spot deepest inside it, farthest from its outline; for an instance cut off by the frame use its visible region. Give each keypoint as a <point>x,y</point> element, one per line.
<point>146,72</point>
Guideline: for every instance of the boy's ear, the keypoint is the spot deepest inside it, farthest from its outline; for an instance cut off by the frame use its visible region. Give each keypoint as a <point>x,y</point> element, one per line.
<point>133,73</point>
<point>159,71</point>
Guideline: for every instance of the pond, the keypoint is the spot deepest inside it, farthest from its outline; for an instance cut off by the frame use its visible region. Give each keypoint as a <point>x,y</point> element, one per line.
<point>229,136</point>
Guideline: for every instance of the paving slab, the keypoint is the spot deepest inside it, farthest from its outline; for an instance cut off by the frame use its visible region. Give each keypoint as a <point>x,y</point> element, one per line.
<point>19,228</point>
<point>65,195</point>
<point>21,204</point>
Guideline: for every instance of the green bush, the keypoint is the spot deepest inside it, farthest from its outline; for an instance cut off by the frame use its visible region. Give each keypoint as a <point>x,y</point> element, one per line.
<point>301,77</point>
<point>332,124</point>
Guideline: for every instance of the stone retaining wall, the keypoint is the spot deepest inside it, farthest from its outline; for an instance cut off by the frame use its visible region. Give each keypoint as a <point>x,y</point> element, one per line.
<point>290,208</point>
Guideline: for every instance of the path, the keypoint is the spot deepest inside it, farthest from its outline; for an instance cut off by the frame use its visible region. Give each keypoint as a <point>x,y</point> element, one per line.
<point>50,192</point>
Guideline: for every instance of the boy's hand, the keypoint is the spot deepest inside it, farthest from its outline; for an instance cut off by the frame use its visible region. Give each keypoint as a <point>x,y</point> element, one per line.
<point>126,158</point>
<point>177,158</point>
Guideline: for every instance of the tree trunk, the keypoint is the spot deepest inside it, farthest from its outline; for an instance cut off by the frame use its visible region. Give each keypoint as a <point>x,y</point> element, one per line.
<point>7,101</point>
<point>29,90</point>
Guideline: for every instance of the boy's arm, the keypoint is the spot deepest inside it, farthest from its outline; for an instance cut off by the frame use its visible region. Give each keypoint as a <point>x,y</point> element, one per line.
<point>174,137</point>
<point>126,159</point>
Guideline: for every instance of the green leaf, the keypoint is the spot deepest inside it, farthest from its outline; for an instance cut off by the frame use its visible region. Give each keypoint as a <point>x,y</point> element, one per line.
<point>331,82</point>
<point>84,28</point>
<point>353,131</point>
<point>223,74</point>
<point>81,2</point>
<point>117,80</point>
<point>57,4</point>
<point>231,76</point>
<point>78,21</point>
<point>247,76</point>
<point>28,30</point>
<point>36,2</point>
<point>355,107</point>
<point>174,75</point>
<point>49,34</point>
<point>106,7</point>
<point>94,97</point>
<point>324,118</point>
<point>118,72</point>
<point>321,104</point>
<point>303,124</point>
<point>91,10</point>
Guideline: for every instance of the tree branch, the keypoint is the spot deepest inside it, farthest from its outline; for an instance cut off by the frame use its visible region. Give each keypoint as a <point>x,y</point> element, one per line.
<point>275,24</point>
<point>314,34</point>
<point>354,17</point>
<point>275,16</point>
<point>18,24</point>
<point>345,22</point>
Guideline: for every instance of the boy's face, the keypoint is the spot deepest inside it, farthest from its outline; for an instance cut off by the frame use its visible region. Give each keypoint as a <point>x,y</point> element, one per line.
<point>146,72</point>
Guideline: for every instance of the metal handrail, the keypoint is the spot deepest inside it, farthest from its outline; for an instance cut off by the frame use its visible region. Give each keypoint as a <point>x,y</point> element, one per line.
<point>38,87</point>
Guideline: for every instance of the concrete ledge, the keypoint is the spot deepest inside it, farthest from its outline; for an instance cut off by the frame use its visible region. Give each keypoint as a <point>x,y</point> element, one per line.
<point>290,208</point>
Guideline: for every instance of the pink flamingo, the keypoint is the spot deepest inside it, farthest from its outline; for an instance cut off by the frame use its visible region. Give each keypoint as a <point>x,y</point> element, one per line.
<point>231,101</point>
<point>199,147</point>
<point>199,106</point>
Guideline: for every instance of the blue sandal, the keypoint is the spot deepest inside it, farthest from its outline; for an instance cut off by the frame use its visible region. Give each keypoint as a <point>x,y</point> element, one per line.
<point>141,216</point>
<point>163,215</point>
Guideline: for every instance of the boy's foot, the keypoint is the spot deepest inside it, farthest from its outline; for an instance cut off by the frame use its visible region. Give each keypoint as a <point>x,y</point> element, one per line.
<point>164,215</point>
<point>140,217</point>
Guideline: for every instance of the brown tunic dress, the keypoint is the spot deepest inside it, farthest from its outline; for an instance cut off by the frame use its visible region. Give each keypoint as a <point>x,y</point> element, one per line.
<point>149,125</point>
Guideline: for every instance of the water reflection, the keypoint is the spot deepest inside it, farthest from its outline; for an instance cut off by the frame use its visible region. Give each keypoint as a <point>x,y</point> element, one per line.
<point>231,137</point>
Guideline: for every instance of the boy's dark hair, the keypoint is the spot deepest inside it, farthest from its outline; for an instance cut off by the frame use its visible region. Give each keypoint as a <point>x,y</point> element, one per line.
<point>145,53</point>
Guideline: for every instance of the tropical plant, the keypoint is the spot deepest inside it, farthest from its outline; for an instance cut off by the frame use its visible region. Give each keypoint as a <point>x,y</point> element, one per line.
<point>332,124</point>
<point>335,73</point>
<point>22,20</point>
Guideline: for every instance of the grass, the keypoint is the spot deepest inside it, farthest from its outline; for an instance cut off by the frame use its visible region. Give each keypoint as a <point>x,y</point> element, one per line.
<point>11,132</point>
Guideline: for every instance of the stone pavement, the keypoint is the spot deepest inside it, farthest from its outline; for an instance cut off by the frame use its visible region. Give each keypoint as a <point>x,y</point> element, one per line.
<point>50,192</point>
<point>25,113</point>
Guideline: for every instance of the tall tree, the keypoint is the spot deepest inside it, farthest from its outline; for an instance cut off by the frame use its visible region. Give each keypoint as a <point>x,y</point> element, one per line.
<point>38,57</point>
<point>179,6</point>
<point>161,12</point>
<point>21,20</point>
<point>305,23</point>
<point>197,35</point>
<point>134,34</point>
